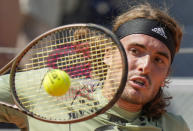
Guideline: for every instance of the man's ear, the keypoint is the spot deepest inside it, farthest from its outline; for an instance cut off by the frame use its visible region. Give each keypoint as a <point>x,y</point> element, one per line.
<point>168,73</point>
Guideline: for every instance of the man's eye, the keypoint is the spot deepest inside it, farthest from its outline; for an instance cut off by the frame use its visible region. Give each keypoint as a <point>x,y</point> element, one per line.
<point>159,60</point>
<point>134,51</point>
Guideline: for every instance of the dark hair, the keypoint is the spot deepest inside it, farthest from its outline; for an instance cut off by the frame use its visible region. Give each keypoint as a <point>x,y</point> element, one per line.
<point>155,108</point>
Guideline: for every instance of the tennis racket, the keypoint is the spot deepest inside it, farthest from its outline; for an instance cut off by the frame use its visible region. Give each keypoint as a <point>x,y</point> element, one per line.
<point>92,56</point>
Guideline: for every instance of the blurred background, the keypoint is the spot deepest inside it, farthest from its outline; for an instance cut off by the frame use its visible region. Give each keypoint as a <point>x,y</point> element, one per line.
<point>23,20</point>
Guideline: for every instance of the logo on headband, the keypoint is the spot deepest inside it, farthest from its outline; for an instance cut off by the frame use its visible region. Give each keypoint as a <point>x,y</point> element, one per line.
<point>160,31</point>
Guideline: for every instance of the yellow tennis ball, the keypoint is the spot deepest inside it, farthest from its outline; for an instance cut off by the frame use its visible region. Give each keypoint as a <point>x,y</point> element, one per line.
<point>56,82</point>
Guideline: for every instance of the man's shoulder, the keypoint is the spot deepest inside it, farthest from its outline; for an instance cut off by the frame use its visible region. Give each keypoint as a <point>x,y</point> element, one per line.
<point>169,116</point>
<point>171,120</point>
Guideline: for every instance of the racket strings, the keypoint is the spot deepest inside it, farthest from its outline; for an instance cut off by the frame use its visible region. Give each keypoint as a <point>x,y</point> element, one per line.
<point>68,48</point>
<point>61,55</point>
<point>28,93</point>
<point>49,43</point>
<point>41,61</point>
<point>81,55</point>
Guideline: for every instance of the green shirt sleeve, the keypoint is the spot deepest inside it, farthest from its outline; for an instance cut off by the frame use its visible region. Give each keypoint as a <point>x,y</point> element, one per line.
<point>9,115</point>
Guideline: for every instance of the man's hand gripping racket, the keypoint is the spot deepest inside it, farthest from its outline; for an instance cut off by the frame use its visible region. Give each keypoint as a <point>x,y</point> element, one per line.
<point>92,57</point>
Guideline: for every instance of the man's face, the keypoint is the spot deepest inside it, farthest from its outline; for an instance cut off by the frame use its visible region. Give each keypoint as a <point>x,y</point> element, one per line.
<point>149,62</point>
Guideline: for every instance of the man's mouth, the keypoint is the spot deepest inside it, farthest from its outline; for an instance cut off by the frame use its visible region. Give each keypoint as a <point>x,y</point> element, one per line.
<point>139,82</point>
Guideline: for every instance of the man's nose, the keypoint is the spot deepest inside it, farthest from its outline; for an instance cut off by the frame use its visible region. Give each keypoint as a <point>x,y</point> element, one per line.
<point>144,65</point>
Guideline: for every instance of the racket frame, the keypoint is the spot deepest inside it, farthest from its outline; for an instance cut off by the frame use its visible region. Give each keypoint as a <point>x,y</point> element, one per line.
<point>33,42</point>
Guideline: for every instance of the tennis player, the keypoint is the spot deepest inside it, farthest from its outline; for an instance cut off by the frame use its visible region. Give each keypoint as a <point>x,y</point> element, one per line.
<point>151,39</point>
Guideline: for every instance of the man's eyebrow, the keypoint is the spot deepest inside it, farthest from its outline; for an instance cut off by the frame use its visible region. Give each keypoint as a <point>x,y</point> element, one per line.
<point>159,52</point>
<point>139,45</point>
<point>164,54</point>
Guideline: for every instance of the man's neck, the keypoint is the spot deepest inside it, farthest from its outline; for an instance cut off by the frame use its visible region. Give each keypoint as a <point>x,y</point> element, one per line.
<point>128,106</point>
